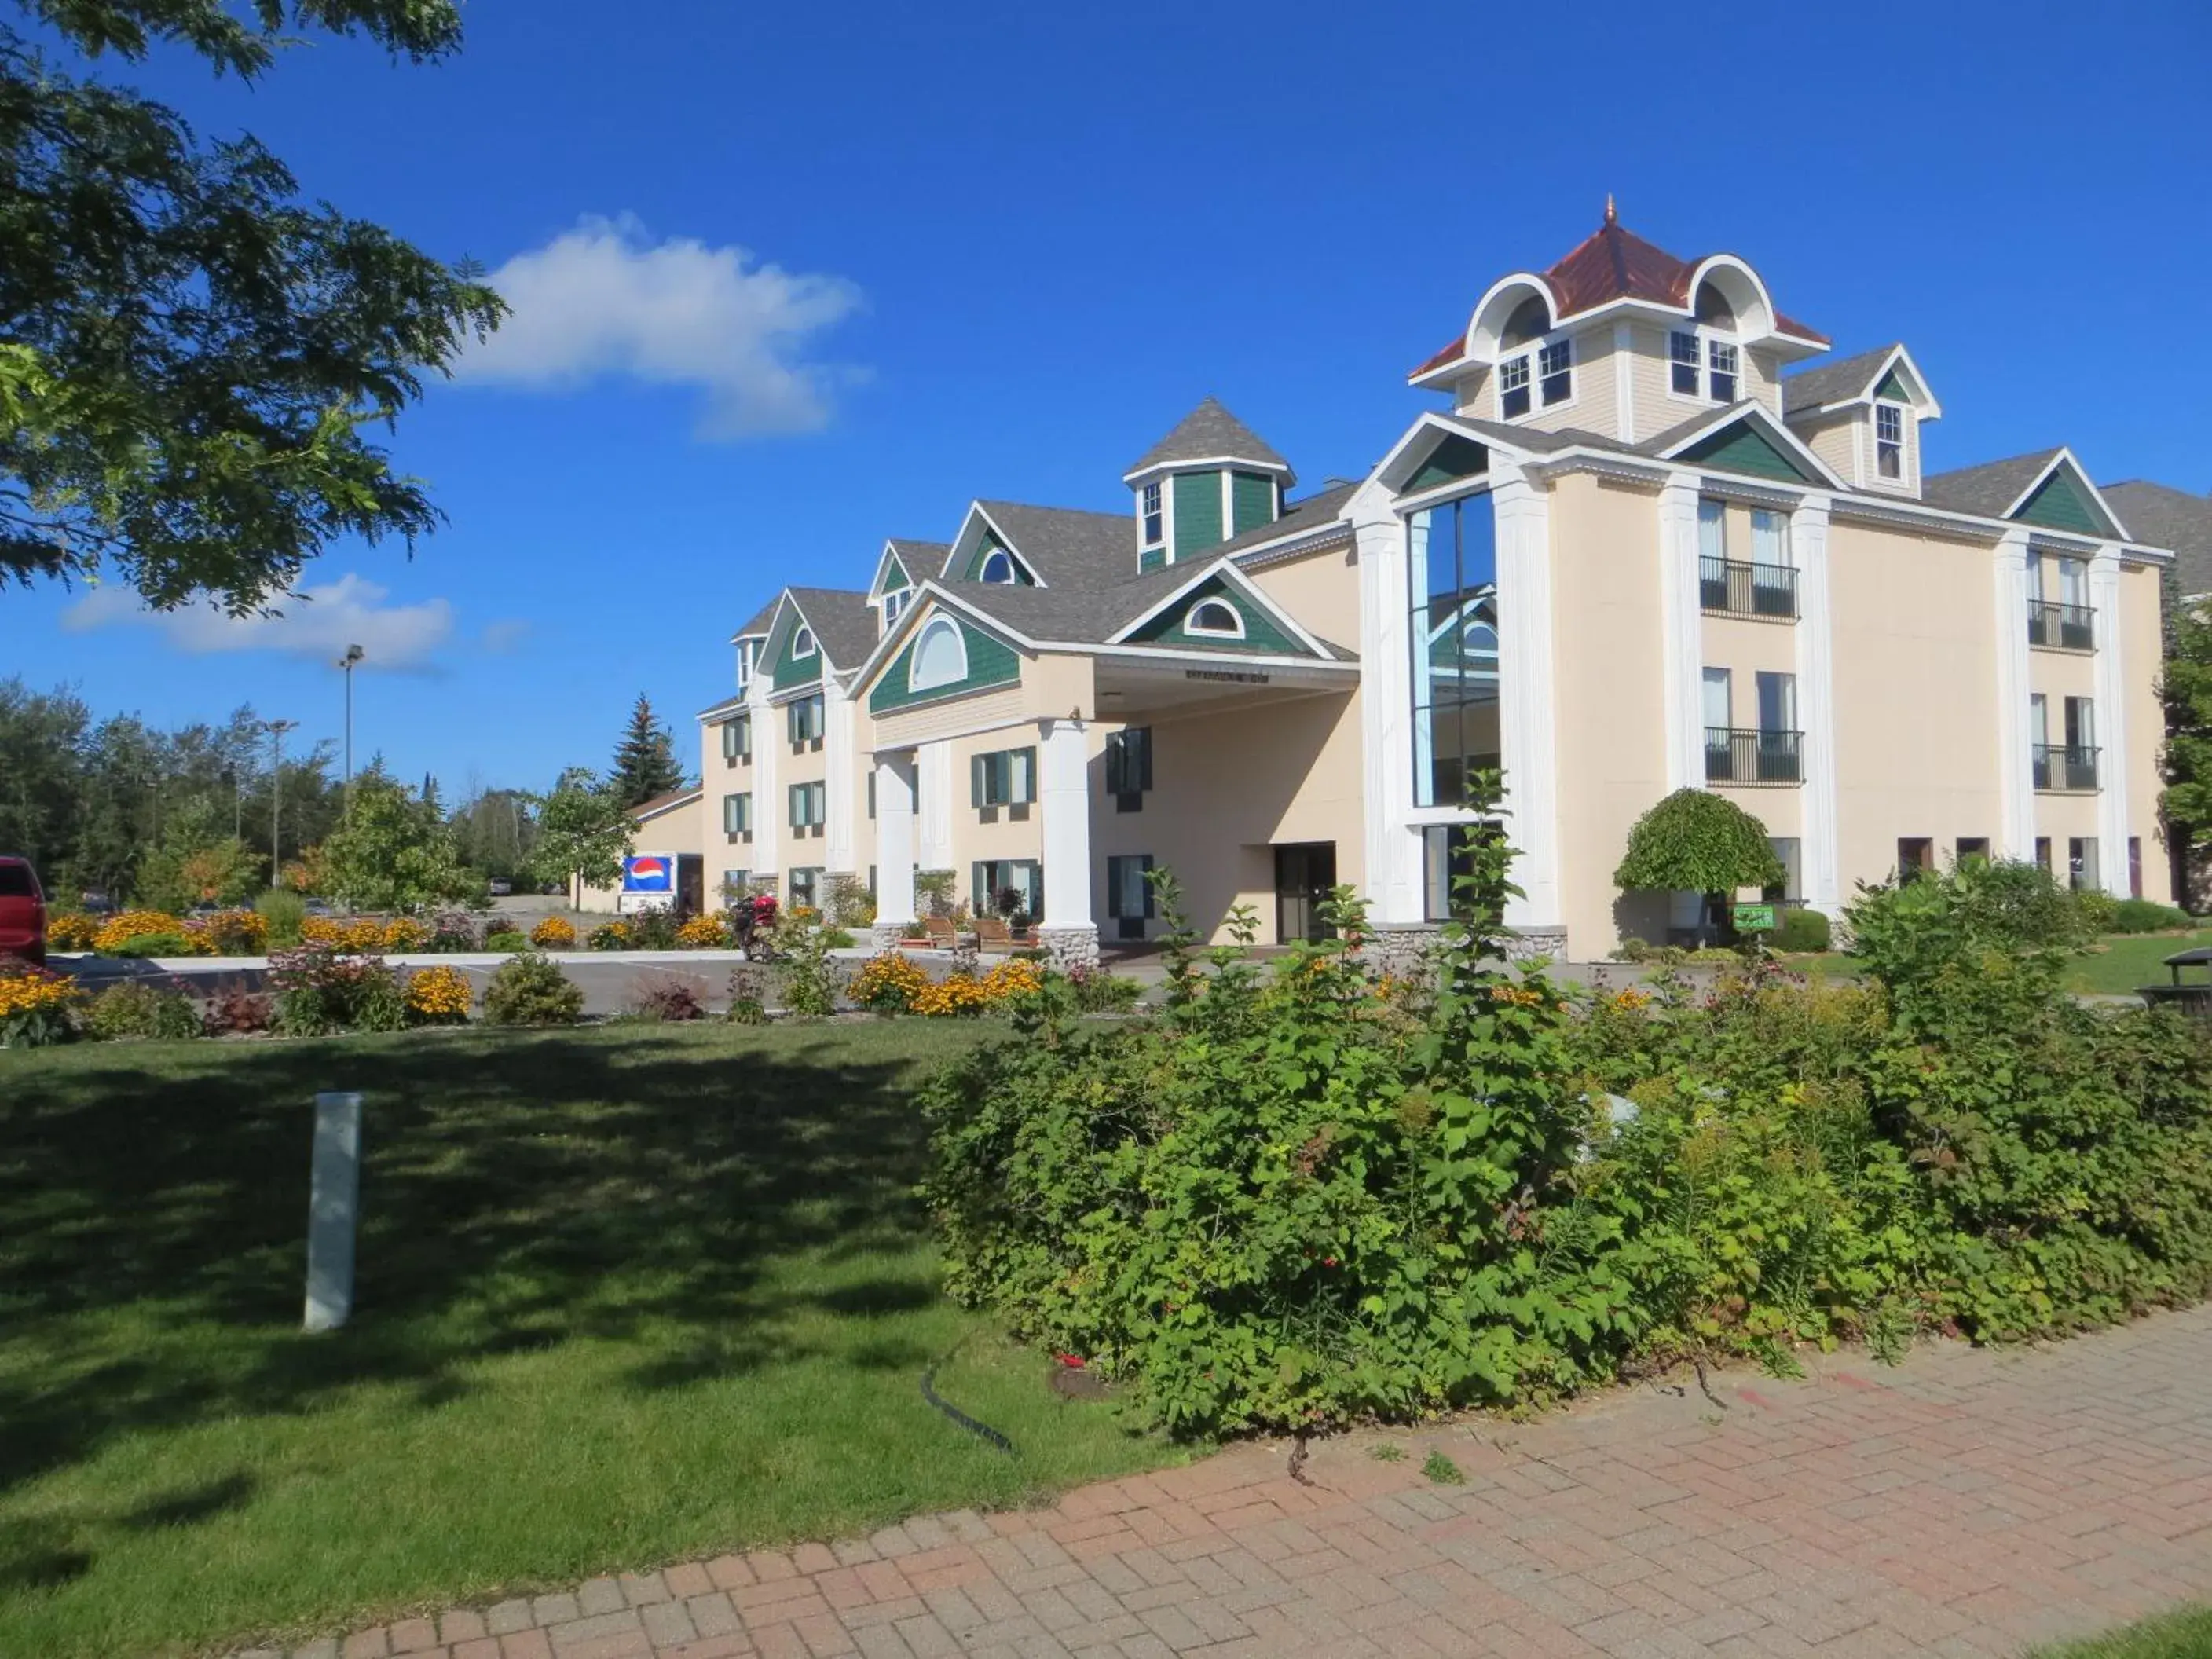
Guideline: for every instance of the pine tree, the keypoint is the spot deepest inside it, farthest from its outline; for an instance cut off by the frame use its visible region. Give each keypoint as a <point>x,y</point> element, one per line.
<point>645,759</point>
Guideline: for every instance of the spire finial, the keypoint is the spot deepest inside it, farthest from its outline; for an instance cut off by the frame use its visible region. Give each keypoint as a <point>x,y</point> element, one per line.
<point>1611,217</point>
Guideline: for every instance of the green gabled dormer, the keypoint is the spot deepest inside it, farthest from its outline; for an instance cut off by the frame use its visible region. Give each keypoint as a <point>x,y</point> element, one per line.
<point>1211,478</point>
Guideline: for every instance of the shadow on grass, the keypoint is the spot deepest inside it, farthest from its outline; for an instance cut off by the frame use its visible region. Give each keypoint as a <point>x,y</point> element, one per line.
<point>517,1195</point>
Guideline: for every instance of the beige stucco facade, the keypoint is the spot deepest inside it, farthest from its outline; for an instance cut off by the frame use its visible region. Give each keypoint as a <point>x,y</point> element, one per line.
<point>1751,587</point>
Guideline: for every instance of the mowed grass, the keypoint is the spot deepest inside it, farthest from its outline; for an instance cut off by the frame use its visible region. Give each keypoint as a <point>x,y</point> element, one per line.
<point>2184,1635</point>
<point>2124,961</point>
<point>626,1296</point>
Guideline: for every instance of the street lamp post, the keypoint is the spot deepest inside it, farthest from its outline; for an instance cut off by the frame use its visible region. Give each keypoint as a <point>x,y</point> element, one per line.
<point>276,731</point>
<point>354,654</point>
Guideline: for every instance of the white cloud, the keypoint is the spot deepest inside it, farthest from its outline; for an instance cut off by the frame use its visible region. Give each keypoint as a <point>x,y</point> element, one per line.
<point>316,621</point>
<point>599,301</point>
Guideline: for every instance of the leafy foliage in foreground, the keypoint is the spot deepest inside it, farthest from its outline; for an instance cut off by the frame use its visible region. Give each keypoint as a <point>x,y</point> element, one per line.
<point>1298,1197</point>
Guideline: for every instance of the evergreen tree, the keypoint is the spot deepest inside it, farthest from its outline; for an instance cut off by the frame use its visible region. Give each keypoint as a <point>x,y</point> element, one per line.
<point>645,761</point>
<point>2186,686</point>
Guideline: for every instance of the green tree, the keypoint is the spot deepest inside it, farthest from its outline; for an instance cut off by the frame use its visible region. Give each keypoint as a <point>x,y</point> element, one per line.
<point>395,852</point>
<point>584,829</point>
<point>198,861</point>
<point>1696,842</point>
<point>2186,687</point>
<point>189,354</point>
<point>496,829</point>
<point>645,761</point>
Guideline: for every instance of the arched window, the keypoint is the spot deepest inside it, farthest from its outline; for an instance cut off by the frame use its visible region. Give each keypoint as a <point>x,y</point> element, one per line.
<point>940,656</point>
<point>1217,618</point>
<point>802,643</point>
<point>1000,567</point>
<point>1531,320</point>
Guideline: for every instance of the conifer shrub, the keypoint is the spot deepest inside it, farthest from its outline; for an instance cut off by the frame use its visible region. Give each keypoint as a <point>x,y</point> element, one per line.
<point>531,990</point>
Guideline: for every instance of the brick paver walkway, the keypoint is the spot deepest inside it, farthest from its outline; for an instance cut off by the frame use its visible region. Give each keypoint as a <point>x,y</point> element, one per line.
<point>1967,1503</point>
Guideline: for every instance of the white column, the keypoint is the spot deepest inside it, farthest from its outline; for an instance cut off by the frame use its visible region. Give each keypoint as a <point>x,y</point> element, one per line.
<point>1392,877</point>
<point>333,1210</point>
<point>2111,693</point>
<point>933,804</point>
<point>768,746</point>
<point>2015,759</point>
<point>1526,703</point>
<point>1816,709</point>
<point>1064,794</point>
<point>840,769</point>
<point>894,842</point>
<point>1682,637</point>
<point>1624,383</point>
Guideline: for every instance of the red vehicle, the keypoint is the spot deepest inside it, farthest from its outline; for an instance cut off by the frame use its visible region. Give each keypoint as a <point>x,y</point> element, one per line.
<point>22,912</point>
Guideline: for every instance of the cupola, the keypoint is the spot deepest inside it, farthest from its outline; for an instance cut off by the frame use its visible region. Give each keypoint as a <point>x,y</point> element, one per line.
<point>1211,478</point>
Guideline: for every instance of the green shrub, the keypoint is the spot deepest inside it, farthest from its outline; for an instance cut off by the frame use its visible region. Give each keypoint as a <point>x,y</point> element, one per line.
<point>284,910</point>
<point>2135,915</point>
<point>1802,933</point>
<point>650,930</point>
<point>506,940</point>
<point>811,980</point>
<point>531,990</point>
<point>320,991</point>
<point>1272,1205</point>
<point>134,1010</point>
<point>152,945</point>
<point>1098,991</point>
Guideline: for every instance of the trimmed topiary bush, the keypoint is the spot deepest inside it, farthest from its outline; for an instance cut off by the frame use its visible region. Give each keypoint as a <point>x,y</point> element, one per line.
<point>2135,915</point>
<point>1696,842</point>
<point>1802,932</point>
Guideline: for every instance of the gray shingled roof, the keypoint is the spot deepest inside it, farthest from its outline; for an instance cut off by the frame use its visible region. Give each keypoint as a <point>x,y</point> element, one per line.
<point>1068,547</point>
<point>1987,489</point>
<point>1315,512</point>
<point>762,618</point>
<point>2163,516</point>
<point>1833,383</point>
<point>1210,432</point>
<point>921,559</point>
<point>843,621</point>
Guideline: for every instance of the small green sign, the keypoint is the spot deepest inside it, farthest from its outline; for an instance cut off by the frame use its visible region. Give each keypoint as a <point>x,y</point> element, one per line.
<point>1754,919</point>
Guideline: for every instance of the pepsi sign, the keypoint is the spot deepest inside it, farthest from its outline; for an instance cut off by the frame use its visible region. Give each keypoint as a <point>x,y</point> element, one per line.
<point>648,872</point>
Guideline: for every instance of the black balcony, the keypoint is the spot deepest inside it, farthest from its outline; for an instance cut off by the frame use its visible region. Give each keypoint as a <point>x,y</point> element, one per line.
<point>1734,755</point>
<point>1729,588</point>
<point>2065,767</point>
<point>2061,627</point>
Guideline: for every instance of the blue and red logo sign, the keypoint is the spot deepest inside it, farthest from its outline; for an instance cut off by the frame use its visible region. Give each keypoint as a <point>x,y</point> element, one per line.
<point>649,873</point>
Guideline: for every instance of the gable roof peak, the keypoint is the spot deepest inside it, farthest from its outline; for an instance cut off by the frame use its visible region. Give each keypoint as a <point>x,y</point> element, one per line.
<point>1209,433</point>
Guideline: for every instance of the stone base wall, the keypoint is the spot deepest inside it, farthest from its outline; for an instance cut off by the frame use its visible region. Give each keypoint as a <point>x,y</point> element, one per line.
<point>1069,947</point>
<point>887,935</point>
<point>1406,948</point>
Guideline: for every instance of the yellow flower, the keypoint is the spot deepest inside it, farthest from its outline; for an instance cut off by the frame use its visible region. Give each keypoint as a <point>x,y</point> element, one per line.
<point>321,930</point>
<point>439,993</point>
<point>404,933</point>
<point>703,932</point>
<point>958,994</point>
<point>1011,978</point>
<point>553,934</point>
<point>126,925</point>
<point>73,932</point>
<point>889,979</point>
<point>33,992</point>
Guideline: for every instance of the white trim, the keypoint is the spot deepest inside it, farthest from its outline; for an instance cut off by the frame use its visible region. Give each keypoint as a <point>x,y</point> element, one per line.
<point>933,804</point>
<point>804,645</point>
<point>1012,567</point>
<point>977,513</point>
<point>677,804</point>
<point>1681,638</point>
<point>1726,415</point>
<point>1924,404</point>
<point>1192,627</point>
<point>913,682</point>
<point>1526,699</point>
<point>895,780</point>
<point>768,748</point>
<point>1226,568</point>
<point>2065,457</point>
<point>1208,464</point>
<point>1392,875</point>
<point>839,727</point>
<point>1063,789</point>
<point>1624,382</point>
<point>2110,679</point>
<point>877,590</point>
<point>2014,737</point>
<point>1819,831</point>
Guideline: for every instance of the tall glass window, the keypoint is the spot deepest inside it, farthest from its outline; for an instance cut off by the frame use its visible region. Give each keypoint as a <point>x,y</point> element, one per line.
<point>1453,578</point>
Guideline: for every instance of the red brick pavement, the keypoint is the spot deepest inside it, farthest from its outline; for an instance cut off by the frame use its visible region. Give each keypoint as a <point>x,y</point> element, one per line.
<point>1967,1503</point>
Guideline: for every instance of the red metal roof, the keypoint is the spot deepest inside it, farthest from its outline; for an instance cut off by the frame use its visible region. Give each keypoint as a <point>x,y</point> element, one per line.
<point>1613,263</point>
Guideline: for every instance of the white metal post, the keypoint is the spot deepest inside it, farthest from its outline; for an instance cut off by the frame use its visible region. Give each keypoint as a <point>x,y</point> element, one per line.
<point>333,1211</point>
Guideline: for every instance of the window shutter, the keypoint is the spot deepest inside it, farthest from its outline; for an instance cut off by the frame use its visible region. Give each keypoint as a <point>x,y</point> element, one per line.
<point>1021,787</point>
<point>976,763</point>
<point>1144,737</point>
<point>979,887</point>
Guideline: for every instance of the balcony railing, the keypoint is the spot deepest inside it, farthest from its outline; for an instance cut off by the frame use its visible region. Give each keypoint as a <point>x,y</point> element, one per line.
<point>1734,755</point>
<point>1734,589</point>
<point>2064,627</point>
<point>2061,766</point>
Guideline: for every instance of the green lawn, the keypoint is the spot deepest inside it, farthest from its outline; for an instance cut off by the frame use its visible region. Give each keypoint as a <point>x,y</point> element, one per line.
<point>626,1296</point>
<point>2185,1635</point>
<point>2124,961</point>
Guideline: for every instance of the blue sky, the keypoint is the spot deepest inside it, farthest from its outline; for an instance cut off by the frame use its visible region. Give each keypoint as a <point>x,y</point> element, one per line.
<point>789,281</point>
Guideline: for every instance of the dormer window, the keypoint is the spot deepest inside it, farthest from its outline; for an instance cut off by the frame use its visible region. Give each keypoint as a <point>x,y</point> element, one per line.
<point>1682,355</point>
<point>1720,371</point>
<point>802,644</point>
<point>1555,366</point>
<point>744,663</point>
<point>1889,440</point>
<point>1216,618</point>
<point>894,603</point>
<point>999,568</point>
<point>1155,524</point>
<point>1513,388</point>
